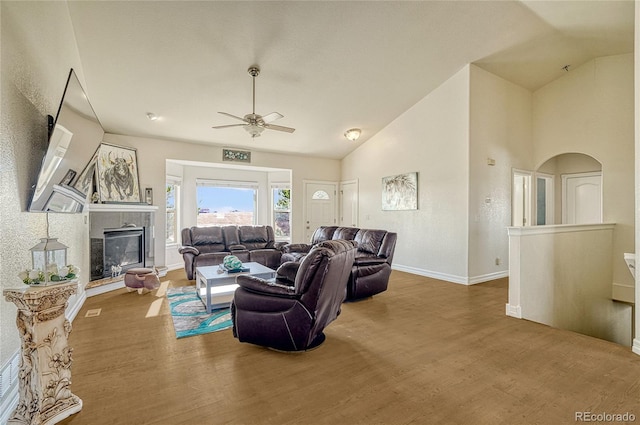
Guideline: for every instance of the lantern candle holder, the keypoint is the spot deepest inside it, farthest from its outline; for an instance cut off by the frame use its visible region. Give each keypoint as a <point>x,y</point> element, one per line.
<point>49,264</point>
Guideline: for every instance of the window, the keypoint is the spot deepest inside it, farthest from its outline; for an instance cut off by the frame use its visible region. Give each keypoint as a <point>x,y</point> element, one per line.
<point>173,206</point>
<point>281,212</point>
<point>222,202</point>
<point>320,194</point>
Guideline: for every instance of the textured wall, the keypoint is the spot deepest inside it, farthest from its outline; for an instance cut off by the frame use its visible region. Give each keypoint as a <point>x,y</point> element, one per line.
<point>38,49</point>
<point>432,139</point>
<point>590,110</point>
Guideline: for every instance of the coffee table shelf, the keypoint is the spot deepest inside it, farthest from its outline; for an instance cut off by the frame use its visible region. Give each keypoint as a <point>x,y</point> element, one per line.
<point>216,289</point>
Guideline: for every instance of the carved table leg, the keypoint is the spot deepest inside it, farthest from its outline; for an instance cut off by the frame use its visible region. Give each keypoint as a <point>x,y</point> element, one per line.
<point>45,364</point>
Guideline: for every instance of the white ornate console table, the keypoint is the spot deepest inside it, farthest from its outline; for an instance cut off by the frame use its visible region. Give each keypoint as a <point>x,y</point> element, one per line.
<point>45,364</point>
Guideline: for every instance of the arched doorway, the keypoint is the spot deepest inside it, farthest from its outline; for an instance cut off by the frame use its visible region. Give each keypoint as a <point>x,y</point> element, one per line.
<point>568,190</point>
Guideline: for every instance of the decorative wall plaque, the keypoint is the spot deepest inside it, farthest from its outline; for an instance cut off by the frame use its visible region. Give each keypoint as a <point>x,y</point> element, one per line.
<point>235,155</point>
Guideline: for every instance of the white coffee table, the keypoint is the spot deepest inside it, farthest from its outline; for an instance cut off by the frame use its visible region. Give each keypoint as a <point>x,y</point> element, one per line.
<point>216,289</point>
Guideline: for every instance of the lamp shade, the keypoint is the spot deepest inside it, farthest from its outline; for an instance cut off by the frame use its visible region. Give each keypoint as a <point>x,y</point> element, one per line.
<point>47,254</point>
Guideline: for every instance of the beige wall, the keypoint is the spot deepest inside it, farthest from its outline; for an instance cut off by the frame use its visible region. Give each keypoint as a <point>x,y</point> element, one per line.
<point>38,49</point>
<point>500,129</point>
<point>430,138</point>
<point>590,110</point>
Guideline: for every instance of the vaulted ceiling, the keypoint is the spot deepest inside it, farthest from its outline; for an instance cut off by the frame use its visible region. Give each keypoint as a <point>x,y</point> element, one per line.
<point>325,65</point>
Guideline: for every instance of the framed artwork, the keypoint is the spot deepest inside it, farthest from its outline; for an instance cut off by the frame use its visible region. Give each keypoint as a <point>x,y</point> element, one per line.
<point>400,192</point>
<point>235,155</point>
<point>117,171</point>
<point>66,180</point>
<point>85,180</point>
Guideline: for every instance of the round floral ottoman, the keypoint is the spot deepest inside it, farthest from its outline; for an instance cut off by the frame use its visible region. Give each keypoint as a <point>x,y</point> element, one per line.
<point>141,279</point>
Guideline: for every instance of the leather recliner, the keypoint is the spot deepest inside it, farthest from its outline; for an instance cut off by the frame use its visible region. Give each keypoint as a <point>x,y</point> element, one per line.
<point>292,318</point>
<point>371,267</point>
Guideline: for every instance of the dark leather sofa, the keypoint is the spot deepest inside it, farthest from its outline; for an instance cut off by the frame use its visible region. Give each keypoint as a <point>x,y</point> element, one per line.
<point>372,264</point>
<point>293,317</point>
<point>207,246</point>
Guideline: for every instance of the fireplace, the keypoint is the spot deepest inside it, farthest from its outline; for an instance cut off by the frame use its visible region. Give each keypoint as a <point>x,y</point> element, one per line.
<point>123,248</point>
<point>120,235</point>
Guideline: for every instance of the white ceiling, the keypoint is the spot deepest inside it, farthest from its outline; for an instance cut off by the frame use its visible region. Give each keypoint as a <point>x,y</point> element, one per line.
<point>326,65</point>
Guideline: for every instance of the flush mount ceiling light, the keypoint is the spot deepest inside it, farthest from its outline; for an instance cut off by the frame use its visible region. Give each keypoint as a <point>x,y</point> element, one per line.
<point>152,116</point>
<point>352,134</point>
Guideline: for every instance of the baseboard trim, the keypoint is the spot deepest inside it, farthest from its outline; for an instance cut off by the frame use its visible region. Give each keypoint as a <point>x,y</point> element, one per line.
<point>73,311</point>
<point>514,311</point>
<point>487,277</point>
<point>176,266</point>
<point>462,280</point>
<point>636,346</point>
<point>9,387</point>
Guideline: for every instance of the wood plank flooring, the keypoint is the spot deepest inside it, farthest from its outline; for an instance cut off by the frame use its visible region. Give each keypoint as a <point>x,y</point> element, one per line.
<point>424,352</point>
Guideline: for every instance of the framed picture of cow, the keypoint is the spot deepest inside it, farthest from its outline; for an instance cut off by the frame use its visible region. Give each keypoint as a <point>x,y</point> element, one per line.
<point>117,173</point>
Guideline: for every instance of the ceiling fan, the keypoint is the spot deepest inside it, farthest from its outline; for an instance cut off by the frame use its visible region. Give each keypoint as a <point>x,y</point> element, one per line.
<point>254,123</point>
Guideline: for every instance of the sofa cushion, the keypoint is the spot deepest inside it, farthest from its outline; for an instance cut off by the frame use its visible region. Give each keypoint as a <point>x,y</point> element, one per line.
<point>347,233</point>
<point>208,239</point>
<point>369,241</point>
<point>323,233</point>
<point>255,237</point>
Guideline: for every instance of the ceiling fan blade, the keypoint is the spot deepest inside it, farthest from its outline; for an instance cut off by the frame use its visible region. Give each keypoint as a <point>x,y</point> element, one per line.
<point>233,116</point>
<point>229,125</point>
<point>272,117</point>
<point>279,128</point>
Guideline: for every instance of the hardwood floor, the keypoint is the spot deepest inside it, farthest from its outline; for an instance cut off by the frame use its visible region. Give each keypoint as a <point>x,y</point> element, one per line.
<point>424,352</point>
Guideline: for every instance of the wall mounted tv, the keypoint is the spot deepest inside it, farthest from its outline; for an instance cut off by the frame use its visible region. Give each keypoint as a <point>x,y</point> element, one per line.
<point>66,172</point>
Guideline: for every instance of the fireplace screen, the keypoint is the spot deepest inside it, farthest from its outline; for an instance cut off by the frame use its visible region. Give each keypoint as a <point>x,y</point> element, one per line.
<point>123,248</point>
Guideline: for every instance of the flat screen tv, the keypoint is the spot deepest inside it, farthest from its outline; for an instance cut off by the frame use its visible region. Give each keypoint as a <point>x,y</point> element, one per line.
<point>66,172</point>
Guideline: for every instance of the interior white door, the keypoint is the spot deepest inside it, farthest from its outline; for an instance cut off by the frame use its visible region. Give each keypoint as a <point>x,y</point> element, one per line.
<point>320,206</point>
<point>521,198</point>
<point>582,198</point>
<point>349,203</point>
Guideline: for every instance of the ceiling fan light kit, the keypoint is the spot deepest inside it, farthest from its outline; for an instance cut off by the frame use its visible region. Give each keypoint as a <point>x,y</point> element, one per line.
<point>255,124</point>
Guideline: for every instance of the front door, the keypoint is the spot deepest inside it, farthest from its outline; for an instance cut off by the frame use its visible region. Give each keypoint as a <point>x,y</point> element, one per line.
<point>320,206</point>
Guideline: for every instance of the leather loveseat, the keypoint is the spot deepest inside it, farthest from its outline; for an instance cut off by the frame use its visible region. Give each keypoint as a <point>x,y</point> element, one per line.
<point>207,246</point>
<point>372,265</point>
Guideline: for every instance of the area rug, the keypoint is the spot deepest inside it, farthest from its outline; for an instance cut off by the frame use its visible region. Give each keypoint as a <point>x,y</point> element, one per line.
<point>189,315</point>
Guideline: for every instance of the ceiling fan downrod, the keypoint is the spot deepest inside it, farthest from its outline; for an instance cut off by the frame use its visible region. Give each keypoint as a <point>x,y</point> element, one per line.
<point>254,71</point>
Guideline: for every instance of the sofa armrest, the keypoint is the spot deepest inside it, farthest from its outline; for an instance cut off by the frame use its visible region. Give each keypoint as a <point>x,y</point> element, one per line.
<point>264,286</point>
<point>369,261</point>
<point>188,250</point>
<point>296,247</point>
<point>280,245</point>
<point>288,271</point>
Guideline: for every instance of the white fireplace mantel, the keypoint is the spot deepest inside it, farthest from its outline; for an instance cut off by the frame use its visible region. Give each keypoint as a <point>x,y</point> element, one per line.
<point>122,208</point>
